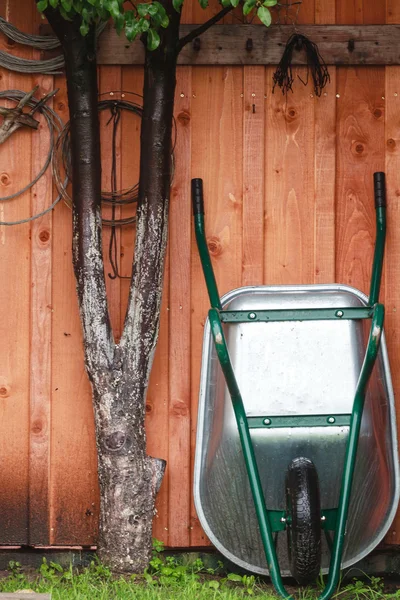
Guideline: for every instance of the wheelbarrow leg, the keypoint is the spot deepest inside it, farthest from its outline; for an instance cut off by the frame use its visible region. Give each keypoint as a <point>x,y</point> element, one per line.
<point>248,452</point>
<point>351,450</point>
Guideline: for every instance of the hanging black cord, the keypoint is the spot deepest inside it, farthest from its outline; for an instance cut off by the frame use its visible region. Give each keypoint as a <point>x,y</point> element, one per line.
<point>113,248</point>
<point>283,76</point>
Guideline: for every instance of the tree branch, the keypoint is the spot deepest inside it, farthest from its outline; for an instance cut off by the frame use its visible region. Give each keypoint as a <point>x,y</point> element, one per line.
<point>81,70</point>
<point>202,28</point>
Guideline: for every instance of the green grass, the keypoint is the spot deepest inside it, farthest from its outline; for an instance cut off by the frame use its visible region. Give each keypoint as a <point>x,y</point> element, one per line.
<point>166,579</point>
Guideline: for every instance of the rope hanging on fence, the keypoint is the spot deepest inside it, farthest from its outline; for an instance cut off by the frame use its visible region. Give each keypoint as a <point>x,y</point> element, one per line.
<point>55,126</point>
<point>51,66</point>
<point>283,76</point>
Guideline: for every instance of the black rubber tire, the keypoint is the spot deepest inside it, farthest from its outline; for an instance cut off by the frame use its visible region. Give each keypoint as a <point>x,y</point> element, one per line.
<point>304,525</point>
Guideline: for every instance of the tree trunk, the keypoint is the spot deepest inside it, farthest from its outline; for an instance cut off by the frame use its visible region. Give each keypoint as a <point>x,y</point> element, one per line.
<point>119,373</point>
<point>139,476</point>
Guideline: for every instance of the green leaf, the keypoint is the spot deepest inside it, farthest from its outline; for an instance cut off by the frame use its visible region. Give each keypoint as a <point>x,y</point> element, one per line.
<point>143,9</point>
<point>203,3</point>
<point>119,23</point>
<point>270,3</point>
<point>235,3</point>
<point>42,5</point>
<point>163,14</point>
<point>264,15</point>
<point>153,9</point>
<point>84,28</point>
<point>234,577</point>
<point>54,3</point>
<point>113,6</point>
<point>226,3</point>
<point>248,6</point>
<point>66,5</point>
<point>177,4</point>
<point>214,585</point>
<point>144,25</point>
<point>153,39</point>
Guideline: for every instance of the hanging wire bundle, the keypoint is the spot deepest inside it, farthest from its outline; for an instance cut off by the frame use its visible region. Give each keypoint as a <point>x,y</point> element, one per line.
<point>51,66</point>
<point>55,126</point>
<point>62,163</point>
<point>316,66</point>
<point>62,170</point>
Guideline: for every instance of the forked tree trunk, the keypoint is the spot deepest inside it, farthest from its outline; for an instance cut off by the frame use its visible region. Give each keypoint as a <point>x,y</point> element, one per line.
<point>119,373</point>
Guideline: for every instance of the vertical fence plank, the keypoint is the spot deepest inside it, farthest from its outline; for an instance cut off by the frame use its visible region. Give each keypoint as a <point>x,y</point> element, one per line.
<point>349,12</point>
<point>217,158</point>
<point>253,175</point>
<point>74,488</point>
<point>41,321</point>
<point>325,11</point>
<point>392,265</point>
<point>109,81</point>
<point>289,235</point>
<point>360,152</point>
<point>325,164</point>
<point>132,84</point>
<point>179,320</point>
<point>15,304</point>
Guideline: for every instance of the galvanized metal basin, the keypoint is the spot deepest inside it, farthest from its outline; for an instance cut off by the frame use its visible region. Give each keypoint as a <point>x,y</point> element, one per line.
<point>294,368</point>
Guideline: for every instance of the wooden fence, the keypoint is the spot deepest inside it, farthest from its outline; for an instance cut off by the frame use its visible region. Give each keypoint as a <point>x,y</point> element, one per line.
<point>288,184</point>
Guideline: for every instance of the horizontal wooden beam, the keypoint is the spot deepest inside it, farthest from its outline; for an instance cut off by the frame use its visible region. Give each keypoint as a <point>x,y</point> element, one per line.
<point>259,45</point>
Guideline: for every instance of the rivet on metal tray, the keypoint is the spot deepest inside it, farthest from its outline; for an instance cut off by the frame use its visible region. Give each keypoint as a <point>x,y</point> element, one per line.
<point>323,518</point>
<point>283,519</point>
<point>252,315</point>
<point>267,421</point>
<point>331,419</point>
<point>339,313</point>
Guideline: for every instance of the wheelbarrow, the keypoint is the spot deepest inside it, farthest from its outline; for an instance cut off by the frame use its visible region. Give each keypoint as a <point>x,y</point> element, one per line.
<point>296,428</point>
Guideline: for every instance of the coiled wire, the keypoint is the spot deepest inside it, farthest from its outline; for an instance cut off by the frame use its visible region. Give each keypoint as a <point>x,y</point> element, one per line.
<point>55,126</point>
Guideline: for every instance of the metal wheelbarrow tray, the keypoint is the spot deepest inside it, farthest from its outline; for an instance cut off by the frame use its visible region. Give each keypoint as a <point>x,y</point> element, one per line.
<point>288,375</point>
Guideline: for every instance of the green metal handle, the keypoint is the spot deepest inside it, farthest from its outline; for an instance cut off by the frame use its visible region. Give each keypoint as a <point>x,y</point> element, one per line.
<point>380,209</point>
<point>351,450</point>
<point>199,228</point>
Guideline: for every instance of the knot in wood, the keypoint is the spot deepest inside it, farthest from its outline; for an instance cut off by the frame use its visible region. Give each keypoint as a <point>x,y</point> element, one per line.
<point>44,236</point>
<point>391,144</point>
<point>291,114</point>
<point>358,148</point>
<point>5,179</point>
<point>377,113</point>
<point>214,246</point>
<point>149,408</point>
<point>179,408</point>
<point>37,427</point>
<point>184,118</point>
<point>115,441</point>
<point>4,391</point>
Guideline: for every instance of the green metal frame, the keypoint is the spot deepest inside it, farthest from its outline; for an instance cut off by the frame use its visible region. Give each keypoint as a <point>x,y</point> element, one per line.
<point>271,521</point>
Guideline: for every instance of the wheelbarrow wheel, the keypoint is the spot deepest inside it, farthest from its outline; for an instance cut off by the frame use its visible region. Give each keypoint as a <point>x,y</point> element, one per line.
<point>304,520</point>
